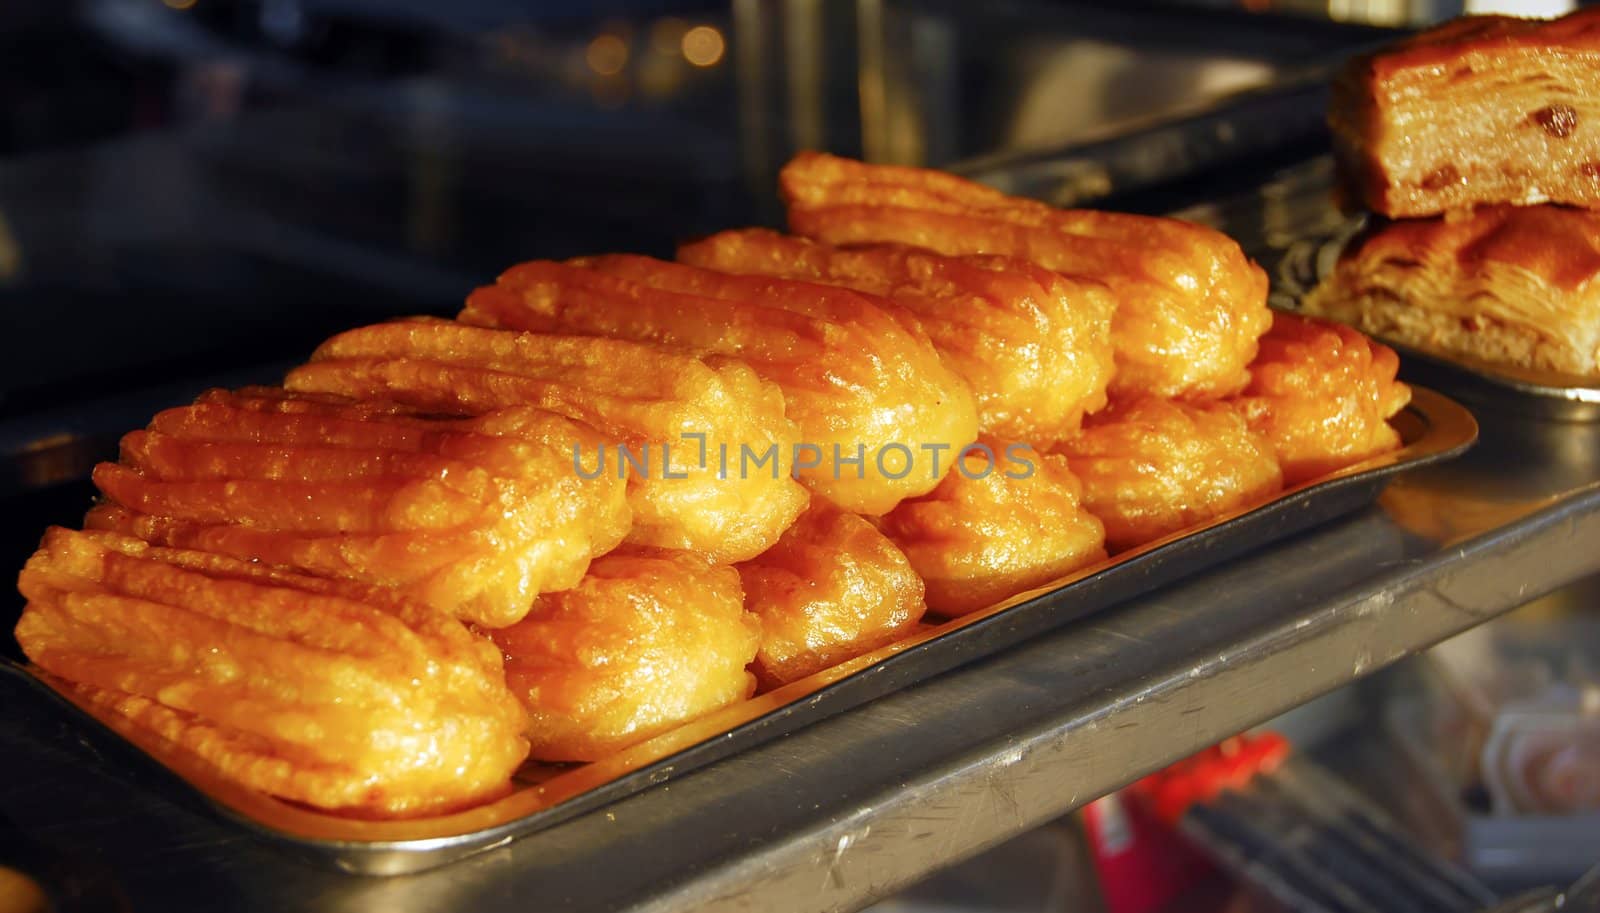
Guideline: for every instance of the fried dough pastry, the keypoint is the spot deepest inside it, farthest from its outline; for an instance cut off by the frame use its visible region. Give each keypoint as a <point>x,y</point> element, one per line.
<point>1190,305</point>
<point>675,410</point>
<point>1034,345</point>
<point>858,373</point>
<point>1322,394</point>
<point>339,695</point>
<point>446,511</point>
<point>833,588</point>
<point>1152,467</point>
<point>647,641</point>
<point>1481,109</point>
<point>1514,285</point>
<point>996,527</point>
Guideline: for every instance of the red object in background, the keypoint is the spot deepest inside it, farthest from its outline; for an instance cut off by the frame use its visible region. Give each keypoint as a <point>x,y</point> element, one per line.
<point>1230,764</point>
<point>1143,863</point>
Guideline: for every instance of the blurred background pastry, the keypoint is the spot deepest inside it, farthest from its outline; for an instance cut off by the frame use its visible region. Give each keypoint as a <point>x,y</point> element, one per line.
<point>1489,112</point>
<point>1482,109</point>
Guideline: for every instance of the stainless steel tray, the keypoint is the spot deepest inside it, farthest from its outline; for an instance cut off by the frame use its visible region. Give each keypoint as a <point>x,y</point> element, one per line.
<point>1433,428</point>
<point>1308,260</point>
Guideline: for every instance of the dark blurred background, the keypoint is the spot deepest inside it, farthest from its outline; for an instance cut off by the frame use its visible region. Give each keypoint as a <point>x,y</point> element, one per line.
<point>194,191</point>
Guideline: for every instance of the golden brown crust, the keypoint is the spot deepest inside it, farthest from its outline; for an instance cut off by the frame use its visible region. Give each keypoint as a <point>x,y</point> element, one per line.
<point>1151,467</point>
<point>857,372</point>
<point>1508,284</point>
<point>331,693</point>
<point>447,512</point>
<point>425,467</point>
<point>997,529</point>
<point>833,588</point>
<point>1034,345</point>
<point>1190,305</point>
<point>647,398</point>
<point>1483,109</point>
<point>1322,394</point>
<point>648,641</point>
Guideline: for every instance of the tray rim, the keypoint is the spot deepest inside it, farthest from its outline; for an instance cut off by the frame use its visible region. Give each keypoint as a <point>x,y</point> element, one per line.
<point>1447,429</point>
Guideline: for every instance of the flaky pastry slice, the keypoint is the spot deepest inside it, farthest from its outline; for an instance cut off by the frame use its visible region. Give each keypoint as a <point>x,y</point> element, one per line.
<point>453,513</point>
<point>338,695</point>
<point>1189,303</point>
<point>1481,109</point>
<point>858,373</point>
<point>673,424</point>
<point>1034,345</point>
<point>1515,285</point>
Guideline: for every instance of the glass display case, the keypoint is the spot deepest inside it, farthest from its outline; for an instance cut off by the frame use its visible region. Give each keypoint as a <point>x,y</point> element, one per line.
<point>255,176</point>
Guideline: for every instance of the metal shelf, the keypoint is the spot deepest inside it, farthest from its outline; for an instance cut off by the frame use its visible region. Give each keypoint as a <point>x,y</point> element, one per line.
<point>859,805</point>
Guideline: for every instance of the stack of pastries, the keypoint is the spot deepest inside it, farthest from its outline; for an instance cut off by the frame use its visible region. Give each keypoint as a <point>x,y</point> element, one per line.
<point>1478,145</point>
<point>616,494</point>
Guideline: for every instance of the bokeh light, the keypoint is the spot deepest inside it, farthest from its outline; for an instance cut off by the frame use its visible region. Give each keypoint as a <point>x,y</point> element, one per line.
<point>607,54</point>
<point>703,46</point>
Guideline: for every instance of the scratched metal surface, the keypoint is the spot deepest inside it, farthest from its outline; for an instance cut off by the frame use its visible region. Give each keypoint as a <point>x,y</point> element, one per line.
<point>854,807</point>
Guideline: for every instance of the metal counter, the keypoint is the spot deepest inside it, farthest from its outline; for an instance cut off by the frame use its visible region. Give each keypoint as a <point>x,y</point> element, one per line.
<point>858,805</point>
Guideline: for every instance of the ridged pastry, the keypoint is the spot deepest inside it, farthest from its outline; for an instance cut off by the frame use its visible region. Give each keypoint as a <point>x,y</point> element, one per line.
<point>996,527</point>
<point>1190,305</point>
<point>1482,109</point>
<point>330,693</point>
<point>859,376</point>
<point>449,512</point>
<point>1034,345</point>
<point>646,642</point>
<point>833,588</point>
<point>1322,394</point>
<point>377,590</point>
<point>677,411</point>
<point>1510,284</point>
<point>1151,467</point>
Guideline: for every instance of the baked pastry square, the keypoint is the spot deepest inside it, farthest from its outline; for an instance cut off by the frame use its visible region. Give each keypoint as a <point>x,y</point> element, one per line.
<point>1483,109</point>
<point>1510,284</point>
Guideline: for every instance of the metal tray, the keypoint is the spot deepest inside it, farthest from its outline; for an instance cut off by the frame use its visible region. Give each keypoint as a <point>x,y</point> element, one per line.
<point>1433,428</point>
<point>1308,260</point>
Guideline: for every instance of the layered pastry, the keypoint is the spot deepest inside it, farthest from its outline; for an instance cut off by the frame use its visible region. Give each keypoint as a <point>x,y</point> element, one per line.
<point>1483,109</point>
<point>1508,284</point>
<point>833,588</point>
<point>1322,394</point>
<point>1008,519</point>
<point>1189,303</point>
<point>1151,467</point>
<point>449,512</point>
<point>665,418</point>
<point>337,694</point>
<point>647,641</point>
<point>1034,345</point>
